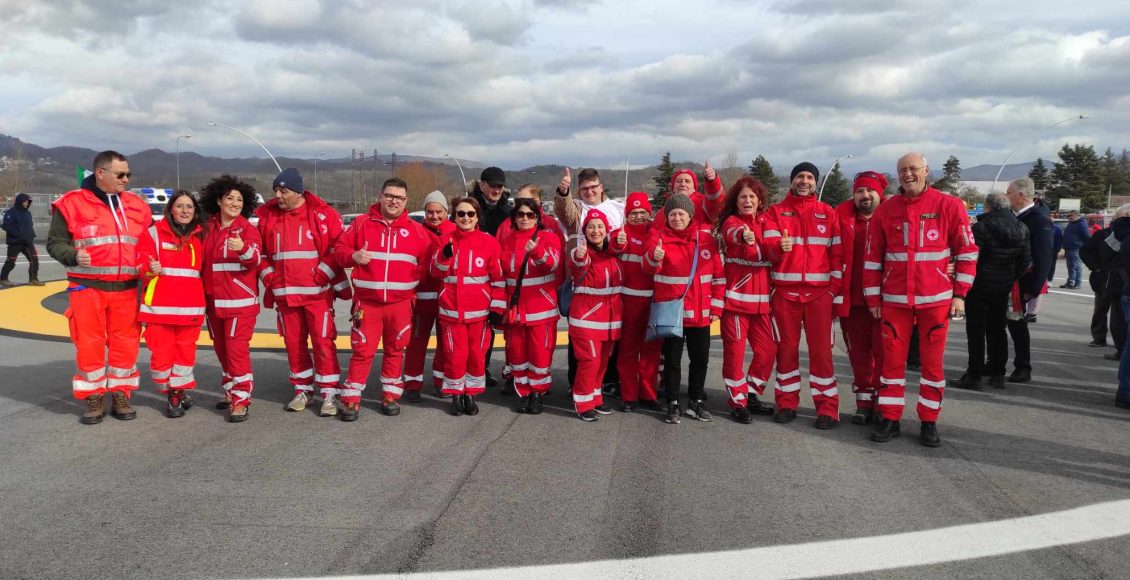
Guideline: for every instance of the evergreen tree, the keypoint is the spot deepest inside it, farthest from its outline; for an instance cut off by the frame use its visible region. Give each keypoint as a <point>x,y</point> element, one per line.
<point>1077,175</point>
<point>837,188</point>
<point>1039,175</point>
<point>763,171</point>
<point>951,176</point>
<point>663,180</point>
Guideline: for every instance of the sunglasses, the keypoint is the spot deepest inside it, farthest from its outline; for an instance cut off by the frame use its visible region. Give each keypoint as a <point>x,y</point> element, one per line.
<point>526,214</point>
<point>125,175</point>
<point>462,213</point>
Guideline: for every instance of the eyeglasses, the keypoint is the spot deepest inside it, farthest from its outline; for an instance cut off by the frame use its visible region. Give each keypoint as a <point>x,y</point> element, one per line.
<point>526,214</point>
<point>590,187</point>
<point>120,174</point>
<point>462,213</point>
<point>912,169</point>
<point>396,198</point>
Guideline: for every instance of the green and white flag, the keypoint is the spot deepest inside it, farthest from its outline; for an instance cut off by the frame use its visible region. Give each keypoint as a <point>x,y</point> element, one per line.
<point>81,174</point>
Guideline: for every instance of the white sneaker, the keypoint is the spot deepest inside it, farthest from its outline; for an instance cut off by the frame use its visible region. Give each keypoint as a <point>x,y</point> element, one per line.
<point>298,403</point>
<point>329,407</point>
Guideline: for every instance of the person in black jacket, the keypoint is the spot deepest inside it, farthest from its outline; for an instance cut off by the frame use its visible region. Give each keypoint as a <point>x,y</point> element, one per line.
<point>494,199</point>
<point>1004,255</point>
<point>1100,254</point>
<point>21,240</point>
<point>1036,216</point>
<point>1121,232</point>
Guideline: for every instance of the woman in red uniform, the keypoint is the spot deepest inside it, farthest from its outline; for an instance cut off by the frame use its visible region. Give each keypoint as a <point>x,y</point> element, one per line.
<point>595,315</point>
<point>745,319</point>
<point>170,258</point>
<point>231,258</point>
<point>638,361</point>
<point>531,257</point>
<point>472,290</point>
<point>671,258</point>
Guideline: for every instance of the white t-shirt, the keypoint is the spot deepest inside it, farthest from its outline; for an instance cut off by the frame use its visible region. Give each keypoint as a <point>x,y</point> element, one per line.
<point>613,209</point>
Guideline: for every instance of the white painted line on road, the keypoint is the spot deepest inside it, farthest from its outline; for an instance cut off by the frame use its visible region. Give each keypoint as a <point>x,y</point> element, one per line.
<point>1071,293</point>
<point>840,557</point>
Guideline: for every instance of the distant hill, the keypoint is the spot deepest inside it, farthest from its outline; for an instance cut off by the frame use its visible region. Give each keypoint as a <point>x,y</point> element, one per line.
<point>988,172</point>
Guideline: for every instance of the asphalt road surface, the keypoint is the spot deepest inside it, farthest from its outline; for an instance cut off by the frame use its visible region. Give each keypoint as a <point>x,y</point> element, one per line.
<point>1031,481</point>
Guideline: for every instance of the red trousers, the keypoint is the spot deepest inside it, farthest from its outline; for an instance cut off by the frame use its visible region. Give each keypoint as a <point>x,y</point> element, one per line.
<point>738,330</point>
<point>592,360</point>
<point>865,351</point>
<point>231,338</point>
<point>172,349</point>
<point>638,361</point>
<point>313,321</point>
<point>423,321</point>
<point>100,323</point>
<point>465,351</point>
<point>933,326</point>
<point>815,316</point>
<point>529,352</point>
<point>375,324</point>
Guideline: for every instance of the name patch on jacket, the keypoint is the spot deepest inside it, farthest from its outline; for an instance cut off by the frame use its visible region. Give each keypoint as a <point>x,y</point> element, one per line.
<point>820,216</point>
<point>787,214</point>
<point>929,216</point>
<point>169,246</point>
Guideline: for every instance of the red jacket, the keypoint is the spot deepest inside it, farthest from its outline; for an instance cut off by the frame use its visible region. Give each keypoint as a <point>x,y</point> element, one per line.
<point>707,206</point>
<point>230,280</point>
<point>596,312</point>
<point>816,261</point>
<point>853,233</point>
<point>472,278</point>
<point>673,273</point>
<point>909,246</point>
<point>428,289</point>
<point>747,270</point>
<point>108,233</point>
<point>298,266</point>
<point>537,302</point>
<point>399,250</point>
<point>637,282</point>
<point>176,295</point>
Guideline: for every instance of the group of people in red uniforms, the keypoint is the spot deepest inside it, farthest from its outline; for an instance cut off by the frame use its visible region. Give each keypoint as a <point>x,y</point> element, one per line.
<point>763,272</point>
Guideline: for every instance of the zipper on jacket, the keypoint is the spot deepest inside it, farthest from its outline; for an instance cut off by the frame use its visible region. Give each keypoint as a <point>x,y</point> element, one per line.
<point>385,235</point>
<point>299,235</point>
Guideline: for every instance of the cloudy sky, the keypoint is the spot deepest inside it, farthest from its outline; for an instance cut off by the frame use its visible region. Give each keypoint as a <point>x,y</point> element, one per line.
<point>583,82</point>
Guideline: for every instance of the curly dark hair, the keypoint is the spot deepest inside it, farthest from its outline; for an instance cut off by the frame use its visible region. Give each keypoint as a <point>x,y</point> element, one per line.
<point>211,194</point>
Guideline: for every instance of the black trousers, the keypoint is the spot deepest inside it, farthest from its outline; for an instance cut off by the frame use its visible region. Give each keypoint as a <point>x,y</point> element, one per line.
<point>1117,322</point>
<point>1021,343</point>
<point>28,250</point>
<point>986,316</point>
<point>697,340</point>
<point>1102,311</point>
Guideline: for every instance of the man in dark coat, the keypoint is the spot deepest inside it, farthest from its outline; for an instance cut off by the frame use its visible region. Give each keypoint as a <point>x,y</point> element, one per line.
<point>1100,254</point>
<point>494,200</point>
<point>21,240</point>
<point>1036,216</point>
<point>1004,256</point>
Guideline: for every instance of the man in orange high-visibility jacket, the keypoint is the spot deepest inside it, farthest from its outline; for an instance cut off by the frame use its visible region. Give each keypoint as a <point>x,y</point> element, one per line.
<point>94,234</point>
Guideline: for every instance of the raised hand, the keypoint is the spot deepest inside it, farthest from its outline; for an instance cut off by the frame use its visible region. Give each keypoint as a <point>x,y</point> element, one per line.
<point>581,252</point>
<point>235,243</point>
<point>786,242</point>
<point>622,237</point>
<point>154,266</point>
<point>530,245</point>
<point>566,181</point>
<point>658,253</point>
<point>708,172</point>
<point>361,257</point>
<point>83,257</point>
<point>748,237</point>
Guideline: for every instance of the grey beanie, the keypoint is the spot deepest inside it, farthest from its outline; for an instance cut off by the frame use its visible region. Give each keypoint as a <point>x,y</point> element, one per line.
<point>679,201</point>
<point>436,196</point>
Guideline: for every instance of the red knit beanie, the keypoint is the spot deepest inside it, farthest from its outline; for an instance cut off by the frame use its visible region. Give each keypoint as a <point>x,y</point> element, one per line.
<point>595,214</point>
<point>694,178</point>
<point>870,180</point>
<point>637,200</point>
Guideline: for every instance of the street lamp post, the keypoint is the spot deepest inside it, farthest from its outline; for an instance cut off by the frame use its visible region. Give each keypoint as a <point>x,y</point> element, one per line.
<point>460,166</point>
<point>178,156</point>
<point>1033,136</point>
<point>316,171</point>
<point>820,193</point>
<point>257,142</point>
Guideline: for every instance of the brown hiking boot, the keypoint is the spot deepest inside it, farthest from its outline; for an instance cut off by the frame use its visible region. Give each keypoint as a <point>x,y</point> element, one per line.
<point>95,408</point>
<point>35,282</point>
<point>119,407</point>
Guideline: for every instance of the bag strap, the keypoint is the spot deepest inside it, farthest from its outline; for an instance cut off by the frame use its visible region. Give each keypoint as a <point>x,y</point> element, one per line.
<point>694,265</point>
<point>522,273</point>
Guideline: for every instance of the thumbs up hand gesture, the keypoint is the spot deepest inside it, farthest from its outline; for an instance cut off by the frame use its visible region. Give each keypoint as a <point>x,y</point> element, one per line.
<point>235,243</point>
<point>154,266</point>
<point>361,257</point>
<point>658,252</point>
<point>530,245</point>
<point>786,242</point>
<point>708,172</point>
<point>83,257</point>
<point>581,252</point>
<point>566,181</point>
<point>748,237</point>
<point>622,237</point>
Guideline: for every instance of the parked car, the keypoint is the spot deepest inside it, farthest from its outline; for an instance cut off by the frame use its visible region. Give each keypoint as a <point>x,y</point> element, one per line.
<point>348,218</point>
<point>418,216</point>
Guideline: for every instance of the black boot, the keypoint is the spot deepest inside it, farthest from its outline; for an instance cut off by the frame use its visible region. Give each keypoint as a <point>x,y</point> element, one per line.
<point>784,416</point>
<point>469,406</point>
<point>536,406</point>
<point>756,407</point>
<point>456,405</point>
<point>523,405</point>
<point>1020,376</point>
<point>929,434</point>
<point>969,381</point>
<point>888,429</point>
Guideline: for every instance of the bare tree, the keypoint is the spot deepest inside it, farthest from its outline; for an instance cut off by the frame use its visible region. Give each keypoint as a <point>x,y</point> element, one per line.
<point>731,167</point>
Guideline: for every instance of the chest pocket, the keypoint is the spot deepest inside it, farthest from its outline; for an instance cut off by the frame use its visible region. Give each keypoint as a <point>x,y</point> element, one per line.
<point>931,234</point>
